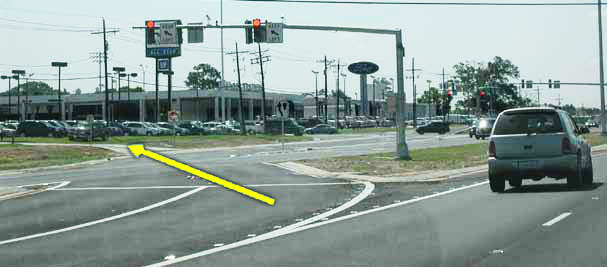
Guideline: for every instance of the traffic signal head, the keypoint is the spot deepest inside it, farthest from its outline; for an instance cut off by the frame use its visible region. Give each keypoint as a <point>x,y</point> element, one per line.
<point>256,24</point>
<point>549,83</point>
<point>450,93</point>
<point>482,93</point>
<point>150,24</point>
<point>150,36</point>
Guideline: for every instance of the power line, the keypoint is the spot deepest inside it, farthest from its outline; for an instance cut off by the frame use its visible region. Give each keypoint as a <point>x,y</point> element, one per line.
<point>430,3</point>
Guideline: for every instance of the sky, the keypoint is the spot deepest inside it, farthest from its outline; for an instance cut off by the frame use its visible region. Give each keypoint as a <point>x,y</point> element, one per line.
<point>545,42</point>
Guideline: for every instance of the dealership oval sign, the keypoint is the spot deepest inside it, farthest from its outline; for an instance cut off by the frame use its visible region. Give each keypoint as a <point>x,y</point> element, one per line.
<point>363,67</point>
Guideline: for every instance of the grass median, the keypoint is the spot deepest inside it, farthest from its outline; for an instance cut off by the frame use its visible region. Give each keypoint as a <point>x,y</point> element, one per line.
<point>382,164</point>
<point>207,141</point>
<point>22,157</point>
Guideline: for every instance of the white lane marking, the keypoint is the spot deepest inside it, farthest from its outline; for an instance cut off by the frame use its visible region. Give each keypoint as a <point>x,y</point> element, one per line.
<point>115,217</point>
<point>127,188</point>
<point>251,235</point>
<point>169,257</point>
<point>287,230</point>
<point>279,232</point>
<point>218,245</point>
<point>188,186</point>
<point>557,219</point>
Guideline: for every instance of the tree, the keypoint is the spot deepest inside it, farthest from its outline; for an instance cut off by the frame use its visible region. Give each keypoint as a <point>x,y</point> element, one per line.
<point>125,89</point>
<point>78,91</point>
<point>436,97</point>
<point>569,108</point>
<point>493,78</point>
<point>203,77</point>
<point>32,88</point>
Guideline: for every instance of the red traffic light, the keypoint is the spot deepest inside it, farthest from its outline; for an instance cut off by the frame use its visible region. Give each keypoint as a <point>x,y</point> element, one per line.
<point>450,93</point>
<point>256,23</point>
<point>150,24</point>
<point>482,93</point>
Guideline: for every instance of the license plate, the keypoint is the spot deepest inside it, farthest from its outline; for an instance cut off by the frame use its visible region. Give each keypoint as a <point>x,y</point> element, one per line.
<point>528,164</point>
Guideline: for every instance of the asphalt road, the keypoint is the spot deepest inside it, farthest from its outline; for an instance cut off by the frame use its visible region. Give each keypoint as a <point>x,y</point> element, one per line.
<point>138,212</point>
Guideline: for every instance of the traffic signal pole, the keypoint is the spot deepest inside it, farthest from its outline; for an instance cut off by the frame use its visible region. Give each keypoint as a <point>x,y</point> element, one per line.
<point>401,144</point>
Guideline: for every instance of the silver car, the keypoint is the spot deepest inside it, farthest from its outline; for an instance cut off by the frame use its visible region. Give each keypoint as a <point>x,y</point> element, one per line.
<point>532,143</point>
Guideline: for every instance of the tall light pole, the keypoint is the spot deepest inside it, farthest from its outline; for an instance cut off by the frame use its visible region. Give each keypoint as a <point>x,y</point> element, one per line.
<point>316,96</point>
<point>128,85</point>
<point>222,87</point>
<point>4,77</point>
<point>374,107</point>
<point>19,73</point>
<point>603,121</point>
<point>27,103</point>
<point>143,73</point>
<point>345,96</point>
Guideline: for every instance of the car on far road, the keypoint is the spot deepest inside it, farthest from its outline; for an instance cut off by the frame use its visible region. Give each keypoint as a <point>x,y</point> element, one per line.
<point>321,129</point>
<point>484,127</point>
<point>436,126</point>
<point>193,127</point>
<point>472,129</point>
<point>591,124</point>
<point>532,143</point>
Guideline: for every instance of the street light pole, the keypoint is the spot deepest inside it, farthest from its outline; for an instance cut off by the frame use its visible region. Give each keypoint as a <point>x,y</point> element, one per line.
<point>316,96</point>
<point>143,72</point>
<point>118,71</point>
<point>603,121</point>
<point>128,85</point>
<point>345,96</point>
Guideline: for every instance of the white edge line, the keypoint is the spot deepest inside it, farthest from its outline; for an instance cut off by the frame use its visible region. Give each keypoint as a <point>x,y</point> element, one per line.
<point>282,231</point>
<point>191,186</point>
<point>115,217</point>
<point>369,187</point>
<point>557,219</point>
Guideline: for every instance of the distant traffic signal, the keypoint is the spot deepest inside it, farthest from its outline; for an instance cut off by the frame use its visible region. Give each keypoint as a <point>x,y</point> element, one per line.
<point>259,31</point>
<point>248,32</point>
<point>557,84</point>
<point>529,84</point>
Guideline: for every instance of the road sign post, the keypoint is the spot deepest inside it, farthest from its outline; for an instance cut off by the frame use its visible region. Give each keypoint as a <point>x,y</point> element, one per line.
<point>173,117</point>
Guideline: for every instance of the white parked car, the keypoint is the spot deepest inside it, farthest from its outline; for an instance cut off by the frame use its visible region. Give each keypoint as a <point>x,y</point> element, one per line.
<point>139,128</point>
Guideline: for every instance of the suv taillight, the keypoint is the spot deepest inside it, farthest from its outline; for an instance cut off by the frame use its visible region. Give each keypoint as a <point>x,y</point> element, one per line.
<point>566,146</point>
<point>491,149</point>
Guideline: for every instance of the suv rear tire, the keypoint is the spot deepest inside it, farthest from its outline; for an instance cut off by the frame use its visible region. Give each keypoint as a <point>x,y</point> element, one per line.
<point>587,174</point>
<point>497,184</point>
<point>574,179</point>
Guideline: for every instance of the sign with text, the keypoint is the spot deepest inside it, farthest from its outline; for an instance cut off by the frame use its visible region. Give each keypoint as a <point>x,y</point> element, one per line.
<point>274,32</point>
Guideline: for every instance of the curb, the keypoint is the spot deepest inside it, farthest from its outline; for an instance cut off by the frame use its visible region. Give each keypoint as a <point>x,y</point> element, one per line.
<point>66,166</point>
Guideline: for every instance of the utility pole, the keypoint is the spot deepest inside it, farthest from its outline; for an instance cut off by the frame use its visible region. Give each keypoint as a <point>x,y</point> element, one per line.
<point>18,74</point>
<point>316,97</point>
<point>263,85</point>
<point>602,79</point>
<point>326,94</point>
<point>374,109</point>
<point>444,97</point>
<point>347,105</point>
<point>337,99</point>
<point>128,81</point>
<point>240,108</point>
<point>4,77</point>
<point>412,70</point>
<point>538,94</point>
<point>105,48</point>
<point>157,111</point>
<point>143,73</point>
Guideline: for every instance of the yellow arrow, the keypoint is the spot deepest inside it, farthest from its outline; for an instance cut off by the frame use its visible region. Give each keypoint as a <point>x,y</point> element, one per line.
<point>138,150</point>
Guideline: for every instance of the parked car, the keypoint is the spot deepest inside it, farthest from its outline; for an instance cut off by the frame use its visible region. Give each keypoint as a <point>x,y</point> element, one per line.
<point>484,127</point>
<point>139,128</point>
<point>275,126</point>
<point>94,130</point>
<point>321,129</point>
<point>252,127</point>
<point>532,143</point>
<point>6,132</point>
<point>9,125</point>
<point>223,129</point>
<point>34,128</point>
<point>58,126</point>
<point>172,127</point>
<point>159,129</point>
<point>192,127</point>
<point>440,127</point>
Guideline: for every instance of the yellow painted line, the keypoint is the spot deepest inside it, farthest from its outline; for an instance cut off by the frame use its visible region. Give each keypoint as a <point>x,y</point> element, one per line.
<point>138,150</point>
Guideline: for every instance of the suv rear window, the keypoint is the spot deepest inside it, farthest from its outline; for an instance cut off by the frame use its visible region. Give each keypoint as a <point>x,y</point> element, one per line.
<point>528,122</point>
